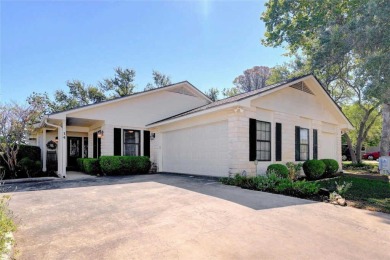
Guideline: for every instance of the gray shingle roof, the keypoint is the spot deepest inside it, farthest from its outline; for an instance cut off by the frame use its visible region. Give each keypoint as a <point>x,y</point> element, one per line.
<point>231,99</point>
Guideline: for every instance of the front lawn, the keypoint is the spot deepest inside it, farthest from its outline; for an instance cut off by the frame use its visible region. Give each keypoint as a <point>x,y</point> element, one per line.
<point>364,193</point>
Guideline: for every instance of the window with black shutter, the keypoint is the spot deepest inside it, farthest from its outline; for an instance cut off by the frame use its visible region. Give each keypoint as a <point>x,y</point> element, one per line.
<point>278,142</point>
<point>259,140</point>
<point>301,144</point>
<point>117,141</point>
<point>315,144</point>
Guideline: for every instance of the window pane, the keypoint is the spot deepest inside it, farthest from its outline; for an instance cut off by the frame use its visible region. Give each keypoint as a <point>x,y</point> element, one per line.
<point>131,149</point>
<point>304,136</point>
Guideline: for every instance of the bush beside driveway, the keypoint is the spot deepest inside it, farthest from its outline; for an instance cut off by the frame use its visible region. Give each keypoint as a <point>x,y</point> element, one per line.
<point>167,216</point>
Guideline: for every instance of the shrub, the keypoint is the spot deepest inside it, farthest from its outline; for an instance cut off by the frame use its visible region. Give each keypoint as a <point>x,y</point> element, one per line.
<point>293,170</point>
<point>114,165</point>
<point>331,166</point>
<point>279,169</point>
<point>30,167</point>
<point>6,224</point>
<point>32,152</point>
<point>80,164</point>
<point>91,165</point>
<point>314,169</point>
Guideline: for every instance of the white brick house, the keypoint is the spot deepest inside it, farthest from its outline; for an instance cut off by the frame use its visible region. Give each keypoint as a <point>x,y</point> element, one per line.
<point>183,131</point>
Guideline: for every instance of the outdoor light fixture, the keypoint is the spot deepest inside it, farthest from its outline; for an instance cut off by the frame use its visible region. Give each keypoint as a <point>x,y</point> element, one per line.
<point>56,139</point>
<point>152,136</point>
<point>100,134</point>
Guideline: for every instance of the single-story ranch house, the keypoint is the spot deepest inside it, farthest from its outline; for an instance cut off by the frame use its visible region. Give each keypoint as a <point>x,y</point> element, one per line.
<point>183,131</point>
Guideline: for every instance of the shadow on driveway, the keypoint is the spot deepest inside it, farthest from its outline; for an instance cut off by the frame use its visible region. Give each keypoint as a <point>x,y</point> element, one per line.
<point>205,185</point>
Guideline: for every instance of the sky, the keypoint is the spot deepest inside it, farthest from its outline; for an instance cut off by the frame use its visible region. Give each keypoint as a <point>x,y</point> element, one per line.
<point>43,44</point>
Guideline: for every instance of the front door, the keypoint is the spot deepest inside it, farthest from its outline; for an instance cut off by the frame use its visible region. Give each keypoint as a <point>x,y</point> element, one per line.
<point>74,151</point>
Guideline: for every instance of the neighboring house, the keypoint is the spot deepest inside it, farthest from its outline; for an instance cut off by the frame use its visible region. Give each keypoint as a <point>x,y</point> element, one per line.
<point>183,131</point>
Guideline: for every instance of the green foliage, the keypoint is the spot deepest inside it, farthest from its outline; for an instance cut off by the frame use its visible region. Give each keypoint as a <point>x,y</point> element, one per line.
<point>358,166</point>
<point>293,170</point>
<point>212,93</point>
<point>30,167</point>
<point>356,113</point>
<point>30,151</point>
<point>123,165</point>
<point>159,80</point>
<point>6,224</point>
<point>122,84</point>
<point>91,166</point>
<point>279,169</point>
<point>365,193</point>
<point>314,169</point>
<point>273,183</point>
<point>331,166</point>
<point>80,164</point>
<point>342,188</point>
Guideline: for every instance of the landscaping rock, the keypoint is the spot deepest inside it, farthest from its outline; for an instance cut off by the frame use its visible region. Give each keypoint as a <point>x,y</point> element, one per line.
<point>341,202</point>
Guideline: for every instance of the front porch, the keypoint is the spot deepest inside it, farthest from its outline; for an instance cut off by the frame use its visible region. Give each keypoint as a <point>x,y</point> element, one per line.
<point>64,141</point>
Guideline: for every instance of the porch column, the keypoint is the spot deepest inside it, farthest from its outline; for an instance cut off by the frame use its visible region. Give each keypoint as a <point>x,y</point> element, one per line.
<point>64,149</point>
<point>59,153</point>
<point>44,151</point>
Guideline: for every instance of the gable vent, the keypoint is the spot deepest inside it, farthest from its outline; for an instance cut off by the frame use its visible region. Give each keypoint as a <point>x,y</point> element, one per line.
<point>302,87</point>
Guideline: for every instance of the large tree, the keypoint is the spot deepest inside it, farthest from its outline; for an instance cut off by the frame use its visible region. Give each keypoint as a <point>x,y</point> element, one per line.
<point>159,80</point>
<point>15,125</point>
<point>122,84</point>
<point>350,34</point>
<point>252,79</point>
<point>212,93</point>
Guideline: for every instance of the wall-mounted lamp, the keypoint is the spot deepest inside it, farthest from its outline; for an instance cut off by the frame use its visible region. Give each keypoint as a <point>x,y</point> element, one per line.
<point>56,139</point>
<point>100,134</point>
<point>152,136</point>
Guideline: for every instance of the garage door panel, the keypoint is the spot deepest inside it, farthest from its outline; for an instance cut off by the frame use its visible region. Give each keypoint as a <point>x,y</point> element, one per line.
<point>201,150</point>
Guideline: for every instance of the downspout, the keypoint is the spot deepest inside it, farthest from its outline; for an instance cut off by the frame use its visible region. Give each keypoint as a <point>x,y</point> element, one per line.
<point>56,126</point>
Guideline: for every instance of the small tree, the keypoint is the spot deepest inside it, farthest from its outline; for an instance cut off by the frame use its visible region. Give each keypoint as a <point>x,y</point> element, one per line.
<point>15,125</point>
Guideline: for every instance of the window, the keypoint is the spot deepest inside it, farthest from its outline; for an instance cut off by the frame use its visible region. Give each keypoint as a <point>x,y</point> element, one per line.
<point>131,142</point>
<point>303,144</point>
<point>263,141</point>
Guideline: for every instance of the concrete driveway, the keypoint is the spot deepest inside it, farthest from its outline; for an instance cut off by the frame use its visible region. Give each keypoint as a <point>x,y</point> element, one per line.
<point>179,217</point>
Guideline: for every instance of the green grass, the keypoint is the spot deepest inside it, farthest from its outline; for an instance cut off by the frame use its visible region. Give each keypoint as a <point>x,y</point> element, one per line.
<point>364,193</point>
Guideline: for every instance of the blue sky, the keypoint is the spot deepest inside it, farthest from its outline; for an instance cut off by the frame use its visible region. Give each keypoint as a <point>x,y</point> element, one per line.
<point>209,43</point>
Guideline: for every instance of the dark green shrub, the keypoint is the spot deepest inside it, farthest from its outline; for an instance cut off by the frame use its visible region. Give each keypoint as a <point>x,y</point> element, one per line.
<point>80,164</point>
<point>280,170</point>
<point>30,167</point>
<point>91,165</point>
<point>29,151</point>
<point>314,169</point>
<point>123,165</point>
<point>331,166</point>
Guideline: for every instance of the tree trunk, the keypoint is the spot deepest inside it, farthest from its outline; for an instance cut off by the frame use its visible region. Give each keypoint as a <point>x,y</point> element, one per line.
<point>350,147</point>
<point>385,138</point>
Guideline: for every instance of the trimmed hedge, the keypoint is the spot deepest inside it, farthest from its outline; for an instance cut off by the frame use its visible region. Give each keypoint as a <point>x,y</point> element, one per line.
<point>123,165</point>
<point>314,169</point>
<point>91,165</point>
<point>331,166</point>
<point>80,164</point>
<point>280,170</point>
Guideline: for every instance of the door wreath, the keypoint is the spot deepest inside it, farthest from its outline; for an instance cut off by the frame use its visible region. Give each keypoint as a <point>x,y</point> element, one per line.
<point>51,145</point>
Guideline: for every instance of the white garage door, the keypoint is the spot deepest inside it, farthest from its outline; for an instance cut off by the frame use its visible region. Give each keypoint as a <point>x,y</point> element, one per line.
<point>201,150</point>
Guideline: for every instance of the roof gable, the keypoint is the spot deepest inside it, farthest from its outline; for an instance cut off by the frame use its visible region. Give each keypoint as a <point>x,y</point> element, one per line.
<point>183,87</point>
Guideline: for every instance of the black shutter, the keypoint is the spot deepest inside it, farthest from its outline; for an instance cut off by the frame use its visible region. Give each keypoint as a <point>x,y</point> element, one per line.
<point>278,139</point>
<point>315,144</point>
<point>252,139</point>
<point>147,143</point>
<point>297,143</point>
<point>95,145</point>
<point>117,141</point>
<point>99,147</point>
